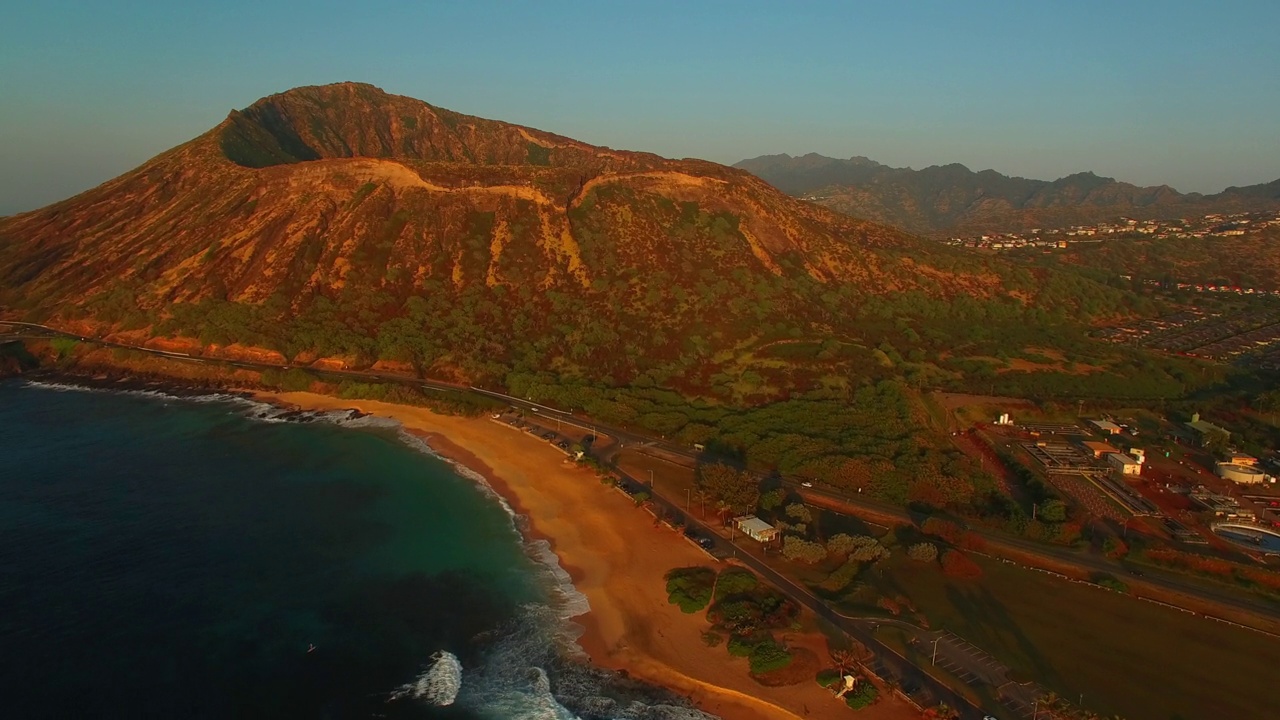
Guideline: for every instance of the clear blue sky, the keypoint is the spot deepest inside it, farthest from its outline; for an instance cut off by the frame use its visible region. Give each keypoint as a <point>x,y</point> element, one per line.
<point>1184,93</point>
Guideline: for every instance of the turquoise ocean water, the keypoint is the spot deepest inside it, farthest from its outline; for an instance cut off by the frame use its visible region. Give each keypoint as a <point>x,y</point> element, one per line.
<point>200,557</point>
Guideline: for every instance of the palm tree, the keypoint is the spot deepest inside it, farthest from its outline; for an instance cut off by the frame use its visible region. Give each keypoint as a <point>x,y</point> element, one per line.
<point>843,660</point>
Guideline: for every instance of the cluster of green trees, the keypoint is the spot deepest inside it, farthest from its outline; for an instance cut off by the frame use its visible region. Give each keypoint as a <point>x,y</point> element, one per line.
<point>870,442</point>
<point>744,609</point>
<point>747,611</point>
<point>690,588</point>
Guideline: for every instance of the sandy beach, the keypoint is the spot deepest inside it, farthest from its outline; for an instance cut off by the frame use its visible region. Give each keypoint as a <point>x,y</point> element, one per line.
<point>617,559</point>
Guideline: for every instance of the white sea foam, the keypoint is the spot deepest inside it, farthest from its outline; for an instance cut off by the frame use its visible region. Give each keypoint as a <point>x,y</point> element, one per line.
<point>254,408</point>
<point>525,677</point>
<point>569,600</point>
<point>512,682</point>
<point>154,394</point>
<point>438,685</point>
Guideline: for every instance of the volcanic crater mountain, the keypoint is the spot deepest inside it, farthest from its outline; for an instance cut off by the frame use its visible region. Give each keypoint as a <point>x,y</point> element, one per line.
<point>343,221</point>
<point>953,199</point>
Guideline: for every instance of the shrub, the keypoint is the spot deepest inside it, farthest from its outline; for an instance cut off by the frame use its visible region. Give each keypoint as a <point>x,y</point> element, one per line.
<point>1113,584</point>
<point>350,390</point>
<point>800,550</point>
<point>958,565</point>
<point>1053,511</point>
<point>1115,548</point>
<point>742,616</point>
<point>863,695</point>
<point>944,530</point>
<point>828,677</point>
<point>800,512</point>
<point>923,552</point>
<point>735,581</point>
<point>690,588</point>
<point>768,655</point>
<point>712,638</point>
<point>869,553</point>
<point>839,544</point>
<point>742,646</point>
<point>63,346</point>
<point>296,380</point>
<point>841,577</point>
<point>772,498</point>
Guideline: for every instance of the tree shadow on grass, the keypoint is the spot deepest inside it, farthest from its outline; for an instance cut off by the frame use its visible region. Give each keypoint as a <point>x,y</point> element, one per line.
<point>989,626</point>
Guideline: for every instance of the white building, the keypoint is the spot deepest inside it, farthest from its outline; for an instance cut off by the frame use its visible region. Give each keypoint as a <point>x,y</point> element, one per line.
<point>1106,426</point>
<point>755,528</point>
<point>1123,463</point>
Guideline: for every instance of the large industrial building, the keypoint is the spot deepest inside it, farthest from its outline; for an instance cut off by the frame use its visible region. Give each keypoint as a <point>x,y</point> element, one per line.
<point>1204,431</point>
<point>1099,449</point>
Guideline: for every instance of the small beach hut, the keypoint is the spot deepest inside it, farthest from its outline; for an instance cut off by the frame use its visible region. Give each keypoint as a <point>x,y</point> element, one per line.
<point>755,528</point>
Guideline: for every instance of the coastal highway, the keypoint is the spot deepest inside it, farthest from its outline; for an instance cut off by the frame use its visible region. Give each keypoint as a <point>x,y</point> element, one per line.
<point>855,503</point>
<point>889,664</point>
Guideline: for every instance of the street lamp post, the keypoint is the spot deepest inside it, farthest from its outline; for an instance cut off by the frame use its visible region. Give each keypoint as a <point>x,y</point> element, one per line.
<point>650,478</point>
<point>688,499</point>
<point>935,650</point>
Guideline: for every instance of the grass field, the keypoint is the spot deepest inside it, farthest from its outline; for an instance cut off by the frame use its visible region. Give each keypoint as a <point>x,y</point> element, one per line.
<point>1127,657</point>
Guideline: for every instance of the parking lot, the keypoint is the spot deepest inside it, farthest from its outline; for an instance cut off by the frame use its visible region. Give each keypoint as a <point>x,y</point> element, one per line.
<point>975,667</point>
<point>560,440</point>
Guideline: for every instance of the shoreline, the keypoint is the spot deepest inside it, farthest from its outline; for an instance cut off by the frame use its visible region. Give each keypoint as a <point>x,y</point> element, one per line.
<point>616,558</point>
<point>614,554</point>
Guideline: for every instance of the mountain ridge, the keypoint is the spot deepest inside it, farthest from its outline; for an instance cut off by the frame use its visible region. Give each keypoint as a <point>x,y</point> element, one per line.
<point>342,221</point>
<point>952,198</point>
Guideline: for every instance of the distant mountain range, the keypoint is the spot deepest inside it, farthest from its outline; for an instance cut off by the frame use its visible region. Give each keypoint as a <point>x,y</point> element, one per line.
<point>952,199</point>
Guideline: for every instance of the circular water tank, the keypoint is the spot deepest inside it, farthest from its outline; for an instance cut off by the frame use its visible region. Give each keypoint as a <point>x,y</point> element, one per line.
<point>1246,474</point>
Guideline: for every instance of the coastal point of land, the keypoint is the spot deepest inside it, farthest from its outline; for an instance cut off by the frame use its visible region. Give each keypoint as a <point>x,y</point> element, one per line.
<point>617,558</point>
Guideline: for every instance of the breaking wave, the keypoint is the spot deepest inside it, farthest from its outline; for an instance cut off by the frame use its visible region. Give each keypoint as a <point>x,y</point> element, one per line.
<point>148,392</point>
<point>438,685</point>
<point>526,675</point>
